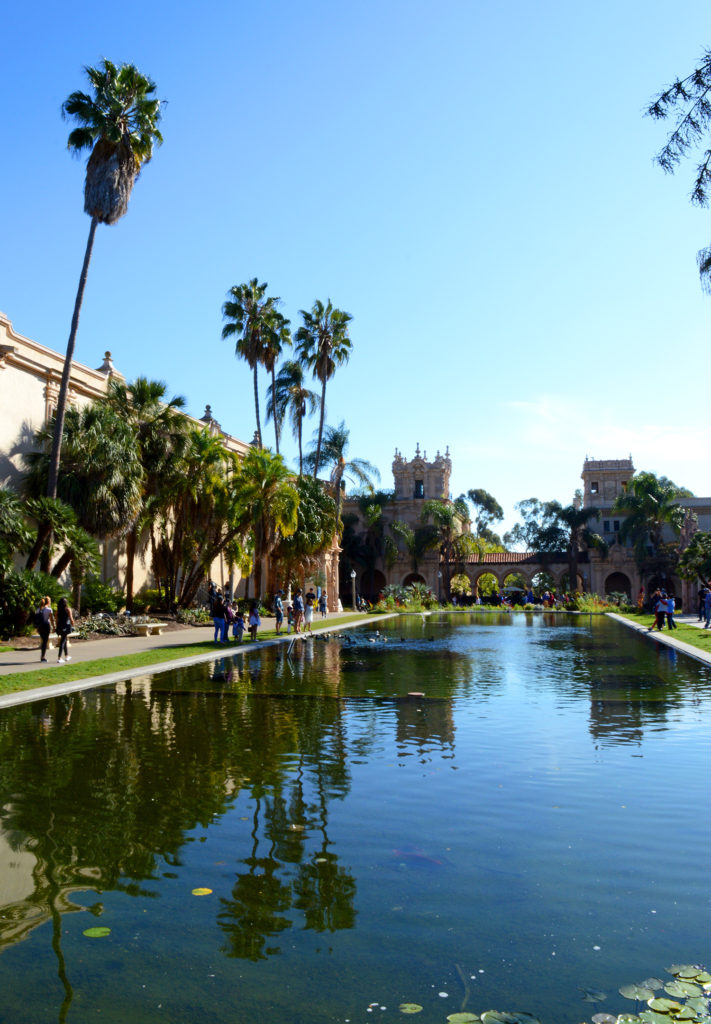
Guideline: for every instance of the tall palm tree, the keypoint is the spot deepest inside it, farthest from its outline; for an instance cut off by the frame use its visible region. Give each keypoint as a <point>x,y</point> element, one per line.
<point>254,320</point>
<point>267,492</point>
<point>573,522</point>
<point>449,518</point>
<point>650,505</point>
<point>276,340</point>
<point>323,345</point>
<point>160,433</point>
<point>334,446</point>
<point>119,124</point>
<point>288,394</point>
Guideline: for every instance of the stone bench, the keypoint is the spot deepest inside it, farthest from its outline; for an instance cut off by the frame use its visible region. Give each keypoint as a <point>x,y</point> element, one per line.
<point>149,628</point>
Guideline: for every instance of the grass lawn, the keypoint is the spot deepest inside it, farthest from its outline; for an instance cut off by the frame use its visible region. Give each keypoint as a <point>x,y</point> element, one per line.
<point>691,635</point>
<point>52,673</point>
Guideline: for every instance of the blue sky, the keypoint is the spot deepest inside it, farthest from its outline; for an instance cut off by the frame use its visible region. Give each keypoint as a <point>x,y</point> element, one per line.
<point>473,182</point>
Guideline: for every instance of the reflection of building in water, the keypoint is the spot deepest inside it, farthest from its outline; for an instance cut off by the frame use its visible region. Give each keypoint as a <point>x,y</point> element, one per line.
<point>421,722</point>
<point>28,895</point>
<point>616,721</point>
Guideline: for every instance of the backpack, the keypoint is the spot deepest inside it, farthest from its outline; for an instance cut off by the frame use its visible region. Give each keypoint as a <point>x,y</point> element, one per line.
<point>37,618</point>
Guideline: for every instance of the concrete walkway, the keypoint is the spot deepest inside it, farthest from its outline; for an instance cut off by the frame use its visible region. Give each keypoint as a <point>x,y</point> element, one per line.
<point>666,636</point>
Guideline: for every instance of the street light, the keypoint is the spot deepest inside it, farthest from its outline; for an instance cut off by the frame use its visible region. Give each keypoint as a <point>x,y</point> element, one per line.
<point>439,587</point>
<point>353,579</point>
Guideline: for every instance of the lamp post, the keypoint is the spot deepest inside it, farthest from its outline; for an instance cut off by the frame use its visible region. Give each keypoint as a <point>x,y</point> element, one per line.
<point>439,587</point>
<point>353,579</point>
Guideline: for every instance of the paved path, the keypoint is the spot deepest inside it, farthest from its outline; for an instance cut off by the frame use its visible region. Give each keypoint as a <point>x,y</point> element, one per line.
<point>666,636</point>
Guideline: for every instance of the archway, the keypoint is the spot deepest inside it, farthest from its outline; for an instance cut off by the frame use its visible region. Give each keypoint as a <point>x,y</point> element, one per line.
<point>514,588</point>
<point>618,583</point>
<point>371,584</point>
<point>486,587</point>
<point>413,577</point>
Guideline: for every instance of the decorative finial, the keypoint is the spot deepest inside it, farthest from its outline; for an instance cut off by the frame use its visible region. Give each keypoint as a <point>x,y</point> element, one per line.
<point>417,450</point>
<point>208,414</point>
<point>107,366</point>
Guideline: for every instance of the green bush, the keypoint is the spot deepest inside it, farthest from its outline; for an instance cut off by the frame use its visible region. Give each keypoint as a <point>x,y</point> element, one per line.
<point>100,597</point>
<point>20,594</point>
<point>193,616</point>
<point>147,599</point>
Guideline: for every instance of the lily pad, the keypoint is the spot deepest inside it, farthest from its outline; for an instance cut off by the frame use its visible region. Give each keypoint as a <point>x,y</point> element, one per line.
<point>201,892</point>
<point>525,1018</point>
<point>653,983</point>
<point>627,1018</point>
<point>498,1017</point>
<point>682,989</point>
<point>96,933</point>
<point>410,1008</point>
<point>652,1017</point>
<point>688,972</point>
<point>664,1005</point>
<point>462,1018</point>
<point>699,1004</point>
<point>639,992</point>
<point>676,969</point>
<point>703,977</point>
<point>604,1018</point>
<point>686,1013</point>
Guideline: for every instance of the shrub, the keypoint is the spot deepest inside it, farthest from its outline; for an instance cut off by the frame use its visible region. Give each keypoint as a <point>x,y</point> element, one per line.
<point>100,597</point>
<point>120,626</point>
<point>147,599</point>
<point>20,594</point>
<point>193,616</point>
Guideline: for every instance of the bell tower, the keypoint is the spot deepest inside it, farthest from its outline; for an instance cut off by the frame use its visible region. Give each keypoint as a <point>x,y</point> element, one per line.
<point>420,478</point>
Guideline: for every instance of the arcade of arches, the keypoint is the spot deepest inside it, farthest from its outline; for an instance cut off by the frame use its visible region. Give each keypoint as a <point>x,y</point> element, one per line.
<point>420,479</point>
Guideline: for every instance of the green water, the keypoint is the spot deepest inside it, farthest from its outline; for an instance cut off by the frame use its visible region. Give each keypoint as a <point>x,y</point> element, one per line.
<point>536,825</point>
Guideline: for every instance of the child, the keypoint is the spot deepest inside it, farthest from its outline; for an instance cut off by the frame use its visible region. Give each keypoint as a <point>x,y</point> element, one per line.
<point>238,627</point>
<point>254,620</point>
<point>289,617</point>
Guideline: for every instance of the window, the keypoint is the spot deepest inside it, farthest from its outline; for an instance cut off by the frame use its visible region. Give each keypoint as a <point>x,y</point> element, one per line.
<point>594,487</point>
<point>606,525</point>
<point>419,488</point>
<point>616,525</point>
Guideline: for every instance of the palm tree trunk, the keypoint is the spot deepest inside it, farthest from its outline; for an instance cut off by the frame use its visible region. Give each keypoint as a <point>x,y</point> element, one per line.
<point>64,386</point>
<point>256,407</point>
<point>131,541</point>
<point>301,457</point>
<point>276,417</point>
<point>320,426</point>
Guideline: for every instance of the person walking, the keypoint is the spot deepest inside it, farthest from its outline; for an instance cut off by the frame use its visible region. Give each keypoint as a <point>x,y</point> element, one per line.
<point>44,620</point>
<point>658,610</point>
<point>323,604</point>
<point>65,625</point>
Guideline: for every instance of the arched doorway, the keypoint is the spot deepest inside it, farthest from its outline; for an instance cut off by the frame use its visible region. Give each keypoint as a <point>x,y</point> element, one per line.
<point>413,577</point>
<point>486,587</point>
<point>618,583</point>
<point>371,584</point>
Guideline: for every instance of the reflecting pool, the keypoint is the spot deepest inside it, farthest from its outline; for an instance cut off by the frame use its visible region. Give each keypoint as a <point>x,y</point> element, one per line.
<point>534,827</point>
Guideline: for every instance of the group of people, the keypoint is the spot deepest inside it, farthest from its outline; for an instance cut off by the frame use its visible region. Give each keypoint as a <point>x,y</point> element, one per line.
<point>225,615</point>
<point>299,614</point>
<point>663,605</point>
<point>46,623</point>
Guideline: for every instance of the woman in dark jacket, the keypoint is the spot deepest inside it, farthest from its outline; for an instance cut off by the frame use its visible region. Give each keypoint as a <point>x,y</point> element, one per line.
<point>65,625</point>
